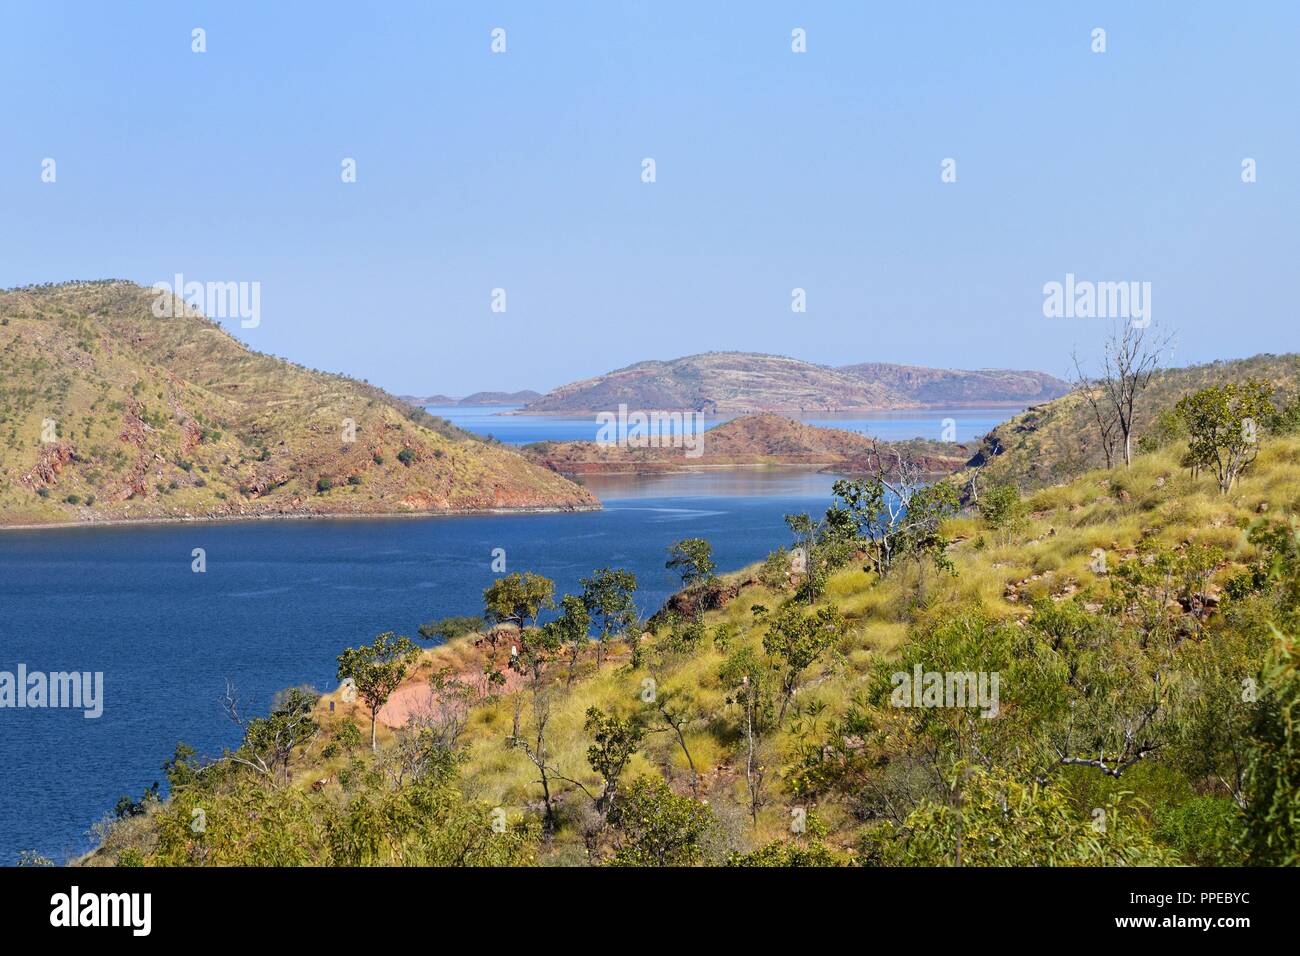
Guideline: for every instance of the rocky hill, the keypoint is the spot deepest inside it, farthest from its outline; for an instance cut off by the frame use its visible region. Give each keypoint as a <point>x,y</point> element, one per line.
<point>741,382</point>
<point>419,401</point>
<point>108,413</point>
<point>751,440</point>
<point>943,386</point>
<point>521,397</point>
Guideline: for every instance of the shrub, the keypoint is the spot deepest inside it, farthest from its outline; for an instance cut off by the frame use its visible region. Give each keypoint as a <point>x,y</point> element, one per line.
<point>657,827</point>
<point>450,628</point>
<point>1001,508</point>
<point>775,570</point>
<point>1203,830</point>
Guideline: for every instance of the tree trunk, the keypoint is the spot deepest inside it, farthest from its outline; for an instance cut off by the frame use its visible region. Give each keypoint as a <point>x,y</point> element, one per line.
<point>548,819</point>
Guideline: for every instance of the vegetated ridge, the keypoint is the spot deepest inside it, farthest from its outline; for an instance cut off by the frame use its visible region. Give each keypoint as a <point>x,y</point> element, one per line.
<point>1057,440</point>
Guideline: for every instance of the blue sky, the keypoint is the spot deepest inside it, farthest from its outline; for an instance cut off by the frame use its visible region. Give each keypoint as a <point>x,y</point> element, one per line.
<point>775,170</point>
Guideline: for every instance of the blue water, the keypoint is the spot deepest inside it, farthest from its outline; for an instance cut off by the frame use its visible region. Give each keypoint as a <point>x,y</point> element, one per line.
<point>892,426</point>
<point>278,602</point>
<point>280,599</point>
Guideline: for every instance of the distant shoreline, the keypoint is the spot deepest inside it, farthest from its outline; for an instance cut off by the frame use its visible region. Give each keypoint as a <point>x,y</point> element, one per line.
<point>232,519</point>
<point>737,413</point>
<point>652,469</point>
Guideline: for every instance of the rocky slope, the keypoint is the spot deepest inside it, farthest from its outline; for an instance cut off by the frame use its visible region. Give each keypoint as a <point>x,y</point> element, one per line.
<point>944,386</point>
<point>751,440</point>
<point>109,413</point>
<point>740,382</point>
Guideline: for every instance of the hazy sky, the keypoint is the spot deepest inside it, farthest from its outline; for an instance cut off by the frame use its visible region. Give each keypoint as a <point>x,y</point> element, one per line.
<point>775,170</point>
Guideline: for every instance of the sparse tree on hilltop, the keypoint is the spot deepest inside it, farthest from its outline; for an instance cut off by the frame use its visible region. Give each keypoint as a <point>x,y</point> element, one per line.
<point>377,670</point>
<point>1225,423</point>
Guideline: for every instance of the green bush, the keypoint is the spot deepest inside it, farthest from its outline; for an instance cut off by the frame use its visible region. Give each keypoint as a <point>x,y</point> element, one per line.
<point>1001,508</point>
<point>656,827</point>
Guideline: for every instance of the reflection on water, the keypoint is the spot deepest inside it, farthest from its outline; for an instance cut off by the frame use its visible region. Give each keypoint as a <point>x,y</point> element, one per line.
<point>758,482</point>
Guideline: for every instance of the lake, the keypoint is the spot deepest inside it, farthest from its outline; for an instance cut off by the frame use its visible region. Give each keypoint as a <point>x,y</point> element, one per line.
<point>494,420</point>
<point>280,599</point>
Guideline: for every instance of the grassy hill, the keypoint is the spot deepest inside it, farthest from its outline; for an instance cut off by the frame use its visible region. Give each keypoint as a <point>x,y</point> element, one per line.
<point>108,413</point>
<point>1140,719</point>
<point>751,382</point>
<point>1052,442</point>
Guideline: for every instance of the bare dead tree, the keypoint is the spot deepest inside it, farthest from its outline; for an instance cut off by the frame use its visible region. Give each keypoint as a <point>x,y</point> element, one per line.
<point>1103,414</point>
<point>894,512</point>
<point>898,481</point>
<point>270,741</point>
<point>536,752</point>
<point>446,709</point>
<point>1132,355</point>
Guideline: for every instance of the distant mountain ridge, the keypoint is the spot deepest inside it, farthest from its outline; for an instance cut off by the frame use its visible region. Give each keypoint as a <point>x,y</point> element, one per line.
<point>109,413</point>
<point>750,382</point>
<point>522,397</point>
<point>941,386</point>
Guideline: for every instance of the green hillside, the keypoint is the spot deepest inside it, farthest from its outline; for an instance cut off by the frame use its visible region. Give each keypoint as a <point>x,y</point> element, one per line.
<point>109,413</point>
<point>1139,622</point>
<point>1054,441</point>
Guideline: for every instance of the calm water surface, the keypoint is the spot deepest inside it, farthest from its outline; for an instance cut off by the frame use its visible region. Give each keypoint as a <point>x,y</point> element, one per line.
<point>892,426</point>
<point>278,602</point>
<point>280,599</point>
